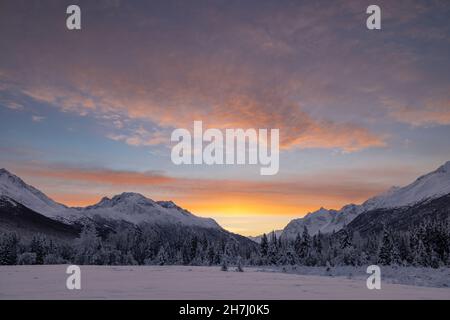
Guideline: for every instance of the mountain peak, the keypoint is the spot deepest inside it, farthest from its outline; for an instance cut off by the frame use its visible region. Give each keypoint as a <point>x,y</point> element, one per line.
<point>126,196</point>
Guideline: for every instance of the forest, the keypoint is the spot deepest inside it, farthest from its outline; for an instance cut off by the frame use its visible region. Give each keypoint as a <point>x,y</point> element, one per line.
<point>424,245</point>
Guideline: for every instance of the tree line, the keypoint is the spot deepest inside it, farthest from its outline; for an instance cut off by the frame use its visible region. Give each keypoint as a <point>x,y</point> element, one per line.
<point>425,245</point>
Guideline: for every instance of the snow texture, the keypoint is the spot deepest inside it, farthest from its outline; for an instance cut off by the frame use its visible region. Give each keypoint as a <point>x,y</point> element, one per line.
<point>181,282</point>
<point>413,276</point>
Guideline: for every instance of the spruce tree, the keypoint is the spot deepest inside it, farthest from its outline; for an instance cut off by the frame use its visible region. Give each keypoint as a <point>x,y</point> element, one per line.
<point>8,249</point>
<point>384,256</point>
<point>346,239</point>
<point>272,252</point>
<point>162,257</point>
<point>319,246</point>
<point>420,255</point>
<point>305,245</point>
<point>264,246</point>
<point>87,245</point>
<point>37,247</point>
<point>396,258</point>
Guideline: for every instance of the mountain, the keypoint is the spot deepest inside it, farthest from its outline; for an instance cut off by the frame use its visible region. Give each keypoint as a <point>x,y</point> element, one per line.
<point>127,207</point>
<point>401,218</point>
<point>135,208</point>
<point>15,188</point>
<point>27,211</point>
<point>16,217</point>
<point>427,187</point>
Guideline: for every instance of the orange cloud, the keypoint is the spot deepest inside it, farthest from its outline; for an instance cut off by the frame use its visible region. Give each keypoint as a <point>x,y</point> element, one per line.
<point>99,176</point>
<point>297,128</point>
<point>167,85</point>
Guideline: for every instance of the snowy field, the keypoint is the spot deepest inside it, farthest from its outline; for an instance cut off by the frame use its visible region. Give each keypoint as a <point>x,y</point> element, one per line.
<point>180,282</point>
<point>414,276</point>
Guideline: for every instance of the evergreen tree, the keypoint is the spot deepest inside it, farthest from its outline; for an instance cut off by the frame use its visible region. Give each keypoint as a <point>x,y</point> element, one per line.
<point>8,249</point>
<point>272,252</point>
<point>88,245</point>
<point>303,249</point>
<point>163,256</point>
<point>346,239</point>
<point>404,249</point>
<point>319,246</point>
<point>193,247</point>
<point>395,255</point>
<point>420,255</point>
<point>290,255</point>
<point>37,247</point>
<point>138,246</point>
<point>264,246</point>
<point>210,255</point>
<point>384,256</point>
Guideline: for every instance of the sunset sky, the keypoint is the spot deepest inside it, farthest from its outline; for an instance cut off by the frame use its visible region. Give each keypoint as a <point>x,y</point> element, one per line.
<point>89,113</point>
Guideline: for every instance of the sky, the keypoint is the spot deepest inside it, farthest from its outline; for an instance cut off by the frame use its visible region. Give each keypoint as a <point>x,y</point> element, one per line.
<point>89,113</point>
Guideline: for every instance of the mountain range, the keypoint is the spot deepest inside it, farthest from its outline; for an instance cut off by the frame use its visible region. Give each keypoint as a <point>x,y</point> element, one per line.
<point>27,210</point>
<point>410,198</point>
<point>128,207</point>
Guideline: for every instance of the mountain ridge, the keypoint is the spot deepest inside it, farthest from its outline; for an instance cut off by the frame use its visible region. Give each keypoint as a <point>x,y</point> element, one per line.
<point>131,207</point>
<point>429,186</point>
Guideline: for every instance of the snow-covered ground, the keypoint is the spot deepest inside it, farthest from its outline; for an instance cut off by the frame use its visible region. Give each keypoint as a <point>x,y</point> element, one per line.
<point>414,276</point>
<point>181,282</point>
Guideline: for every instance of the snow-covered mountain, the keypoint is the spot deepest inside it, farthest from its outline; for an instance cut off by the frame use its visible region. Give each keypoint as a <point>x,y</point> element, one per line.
<point>135,208</point>
<point>129,207</point>
<point>15,217</point>
<point>15,188</point>
<point>427,187</point>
